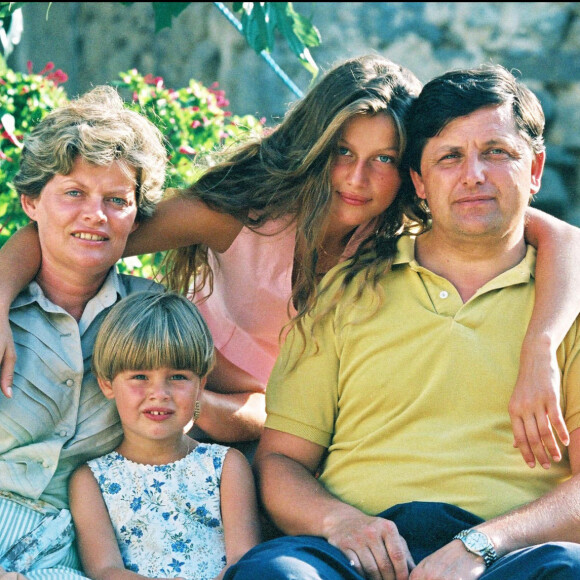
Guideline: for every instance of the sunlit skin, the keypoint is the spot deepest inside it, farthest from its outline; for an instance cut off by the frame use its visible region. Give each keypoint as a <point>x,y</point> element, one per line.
<point>84,219</point>
<point>156,407</point>
<point>365,175</point>
<point>478,176</point>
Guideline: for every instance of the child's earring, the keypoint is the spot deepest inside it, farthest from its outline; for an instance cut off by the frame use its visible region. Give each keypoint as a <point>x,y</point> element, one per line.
<point>197,411</point>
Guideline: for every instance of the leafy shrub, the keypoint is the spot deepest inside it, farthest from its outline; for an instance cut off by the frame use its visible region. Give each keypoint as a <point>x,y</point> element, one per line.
<point>24,100</point>
<point>193,119</point>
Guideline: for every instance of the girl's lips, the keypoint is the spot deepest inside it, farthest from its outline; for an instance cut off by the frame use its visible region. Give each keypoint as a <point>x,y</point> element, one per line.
<point>158,414</point>
<point>352,199</point>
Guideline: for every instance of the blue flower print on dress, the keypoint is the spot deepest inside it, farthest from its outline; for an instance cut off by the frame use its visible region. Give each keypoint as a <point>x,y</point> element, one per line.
<point>167,518</point>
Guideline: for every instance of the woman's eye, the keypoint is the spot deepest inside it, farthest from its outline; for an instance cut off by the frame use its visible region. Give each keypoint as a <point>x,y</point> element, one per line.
<point>343,151</point>
<point>119,201</point>
<point>73,193</point>
<point>386,159</point>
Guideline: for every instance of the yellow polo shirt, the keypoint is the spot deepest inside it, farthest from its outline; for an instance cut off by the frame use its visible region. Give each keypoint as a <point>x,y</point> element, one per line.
<point>412,403</point>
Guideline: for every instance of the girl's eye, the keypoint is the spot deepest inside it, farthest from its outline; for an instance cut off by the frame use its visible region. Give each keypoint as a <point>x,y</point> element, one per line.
<point>139,377</point>
<point>178,377</point>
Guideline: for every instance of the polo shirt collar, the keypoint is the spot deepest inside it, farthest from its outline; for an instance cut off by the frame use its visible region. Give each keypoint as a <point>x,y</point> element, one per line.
<point>519,274</point>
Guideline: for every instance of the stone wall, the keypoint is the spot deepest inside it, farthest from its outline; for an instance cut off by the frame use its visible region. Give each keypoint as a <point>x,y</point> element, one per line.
<point>94,42</point>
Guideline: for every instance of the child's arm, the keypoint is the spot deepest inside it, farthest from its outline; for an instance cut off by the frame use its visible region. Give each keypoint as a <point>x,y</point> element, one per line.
<point>20,256</point>
<point>239,506</point>
<point>535,404</point>
<point>183,221</point>
<point>96,541</point>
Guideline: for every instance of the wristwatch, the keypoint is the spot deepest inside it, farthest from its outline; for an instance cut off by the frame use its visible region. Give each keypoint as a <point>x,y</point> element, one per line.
<point>479,544</point>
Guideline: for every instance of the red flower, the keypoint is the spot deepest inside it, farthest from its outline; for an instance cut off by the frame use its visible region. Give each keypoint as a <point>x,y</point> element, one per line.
<point>58,76</point>
<point>187,150</point>
<point>151,80</point>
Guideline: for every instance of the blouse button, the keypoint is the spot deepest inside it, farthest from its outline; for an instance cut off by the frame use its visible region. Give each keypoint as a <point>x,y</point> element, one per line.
<point>443,294</point>
<point>70,383</point>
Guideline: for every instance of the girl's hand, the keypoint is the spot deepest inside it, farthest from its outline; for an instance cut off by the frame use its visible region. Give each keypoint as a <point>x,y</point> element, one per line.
<point>7,356</point>
<point>10,575</point>
<point>534,407</point>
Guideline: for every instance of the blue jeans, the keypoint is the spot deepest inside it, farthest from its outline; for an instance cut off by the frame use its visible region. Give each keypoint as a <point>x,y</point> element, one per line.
<point>426,527</point>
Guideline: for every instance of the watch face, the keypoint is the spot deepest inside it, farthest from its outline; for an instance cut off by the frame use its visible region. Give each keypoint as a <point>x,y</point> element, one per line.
<point>476,541</point>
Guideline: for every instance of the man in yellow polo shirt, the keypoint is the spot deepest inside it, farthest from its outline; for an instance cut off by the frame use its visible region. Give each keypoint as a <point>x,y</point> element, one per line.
<point>388,451</point>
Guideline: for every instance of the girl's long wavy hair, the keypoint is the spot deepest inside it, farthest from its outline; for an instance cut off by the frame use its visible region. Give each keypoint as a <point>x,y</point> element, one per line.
<point>287,174</point>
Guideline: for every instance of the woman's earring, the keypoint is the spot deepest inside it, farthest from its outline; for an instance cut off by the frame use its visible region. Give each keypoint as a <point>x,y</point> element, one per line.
<point>197,411</point>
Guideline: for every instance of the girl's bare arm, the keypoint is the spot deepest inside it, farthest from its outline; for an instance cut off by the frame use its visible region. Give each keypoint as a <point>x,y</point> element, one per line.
<point>534,408</point>
<point>178,222</point>
<point>239,505</point>
<point>20,256</point>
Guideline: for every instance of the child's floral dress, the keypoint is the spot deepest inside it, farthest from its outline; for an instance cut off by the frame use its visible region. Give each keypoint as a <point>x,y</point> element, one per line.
<point>167,518</point>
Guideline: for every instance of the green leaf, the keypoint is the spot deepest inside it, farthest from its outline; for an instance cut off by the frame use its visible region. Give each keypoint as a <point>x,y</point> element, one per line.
<point>165,12</point>
<point>298,31</point>
<point>255,28</point>
<point>6,8</point>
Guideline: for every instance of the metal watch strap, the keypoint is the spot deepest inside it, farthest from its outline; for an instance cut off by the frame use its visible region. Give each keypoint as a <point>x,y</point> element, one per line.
<point>488,553</point>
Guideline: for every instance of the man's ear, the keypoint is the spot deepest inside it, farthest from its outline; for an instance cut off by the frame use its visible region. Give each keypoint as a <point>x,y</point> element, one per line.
<point>29,206</point>
<point>418,183</point>
<point>537,169</point>
<point>106,387</point>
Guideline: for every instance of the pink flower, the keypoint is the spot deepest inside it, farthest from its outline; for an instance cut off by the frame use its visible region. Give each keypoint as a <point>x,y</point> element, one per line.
<point>49,66</point>
<point>187,150</point>
<point>195,124</point>
<point>151,80</point>
<point>58,76</point>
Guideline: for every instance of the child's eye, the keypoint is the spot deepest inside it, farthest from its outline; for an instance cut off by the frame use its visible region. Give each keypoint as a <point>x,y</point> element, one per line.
<point>178,377</point>
<point>139,377</point>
